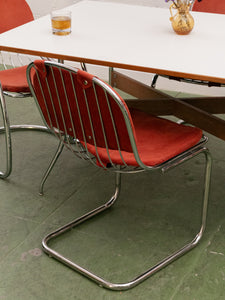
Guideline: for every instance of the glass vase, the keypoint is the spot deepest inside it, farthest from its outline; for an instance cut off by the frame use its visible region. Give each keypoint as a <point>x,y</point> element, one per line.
<point>182,21</point>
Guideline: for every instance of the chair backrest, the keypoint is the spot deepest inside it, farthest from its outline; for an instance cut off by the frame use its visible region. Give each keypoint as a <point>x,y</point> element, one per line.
<point>211,6</point>
<point>14,13</point>
<point>83,110</point>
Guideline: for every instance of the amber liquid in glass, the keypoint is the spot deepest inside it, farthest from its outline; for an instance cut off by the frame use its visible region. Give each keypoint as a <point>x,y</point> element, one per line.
<point>61,25</point>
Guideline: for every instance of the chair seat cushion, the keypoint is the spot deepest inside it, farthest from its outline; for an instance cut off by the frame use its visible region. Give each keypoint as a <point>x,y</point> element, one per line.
<point>14,13</point>
<point>157,139</point>
<point>14,80</point>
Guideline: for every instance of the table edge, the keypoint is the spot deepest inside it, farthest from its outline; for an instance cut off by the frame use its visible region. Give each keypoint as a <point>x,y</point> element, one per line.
<point>114,64</point>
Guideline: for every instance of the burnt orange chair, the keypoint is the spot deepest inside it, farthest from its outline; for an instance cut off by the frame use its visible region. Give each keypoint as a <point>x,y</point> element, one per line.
<point>14,13</point>
<point>90,118</point>
<point>13,76</point>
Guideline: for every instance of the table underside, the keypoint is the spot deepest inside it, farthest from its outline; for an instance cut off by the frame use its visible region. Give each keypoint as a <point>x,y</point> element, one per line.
<point>198,111</point>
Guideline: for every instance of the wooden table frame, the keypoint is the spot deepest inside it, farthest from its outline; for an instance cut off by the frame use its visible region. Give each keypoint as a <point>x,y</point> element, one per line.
<point>197,111</point>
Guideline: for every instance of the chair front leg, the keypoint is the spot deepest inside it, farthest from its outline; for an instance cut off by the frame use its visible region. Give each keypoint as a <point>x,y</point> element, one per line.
<point>67,227</point>
<point>51,165</point>
<point>6,130</point>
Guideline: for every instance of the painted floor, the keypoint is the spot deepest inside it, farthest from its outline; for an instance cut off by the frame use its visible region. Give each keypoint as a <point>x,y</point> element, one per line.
<point>154,216</point>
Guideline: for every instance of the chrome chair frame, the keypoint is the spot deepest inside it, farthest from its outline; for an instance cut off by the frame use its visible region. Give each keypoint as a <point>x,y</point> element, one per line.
<point>6,130</point>
<point>13,128</point>
<point>15,60</point>
<point>81,150</point>
<point>9,60</point>
<point>21,127</point>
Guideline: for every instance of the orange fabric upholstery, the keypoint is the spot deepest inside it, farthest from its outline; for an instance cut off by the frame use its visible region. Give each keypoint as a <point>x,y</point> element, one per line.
<point>14,80</point>
<point>14,13</point>
<point>157,139</point>
<point>82,80</point>
<point>211,6</point>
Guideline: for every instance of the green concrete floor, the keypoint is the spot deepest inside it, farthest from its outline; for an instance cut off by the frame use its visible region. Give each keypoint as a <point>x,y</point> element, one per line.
<point>155,215</point>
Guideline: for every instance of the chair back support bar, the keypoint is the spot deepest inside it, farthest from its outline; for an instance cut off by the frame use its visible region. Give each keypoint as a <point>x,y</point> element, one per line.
<point>84,112</point>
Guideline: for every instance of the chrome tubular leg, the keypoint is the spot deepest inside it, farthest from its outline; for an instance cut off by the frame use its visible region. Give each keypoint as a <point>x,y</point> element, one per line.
<point>206,194</point>
<point>154,80</point>
<point>83,66</point>
<point>163,263</point>
<point>7,129</point>
<point>110,75</point>
<point>76,222</point>
<point>8,143</point>
<point>23,127</point>
<point>52,163</point>
<point>188,246</point>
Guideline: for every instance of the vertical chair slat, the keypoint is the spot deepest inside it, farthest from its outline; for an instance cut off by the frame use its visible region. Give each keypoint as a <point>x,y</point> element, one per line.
<point>79,117</point>
<point>102,127</point>
<point>50,107</point>
<point>82,112</point>
<point>92,129</point>
<point>59,99</point>
<point>44,99</point>
<point>68,108</point>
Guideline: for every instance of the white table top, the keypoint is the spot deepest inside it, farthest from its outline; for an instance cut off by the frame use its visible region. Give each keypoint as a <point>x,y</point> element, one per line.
<point>131,37</point>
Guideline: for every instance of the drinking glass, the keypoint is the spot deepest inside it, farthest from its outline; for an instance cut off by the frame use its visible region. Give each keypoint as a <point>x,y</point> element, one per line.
<point>61,22</point>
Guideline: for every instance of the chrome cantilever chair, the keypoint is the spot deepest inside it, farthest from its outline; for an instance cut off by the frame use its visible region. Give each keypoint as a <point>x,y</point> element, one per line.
<point>93,121</point>
<point>210,6</point>
<point>13,79</point>
<point>13,74</point>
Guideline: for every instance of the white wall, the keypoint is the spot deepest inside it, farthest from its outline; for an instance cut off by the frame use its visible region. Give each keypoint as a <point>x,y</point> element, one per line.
<point>41,7</point>
<point>156,3</point>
